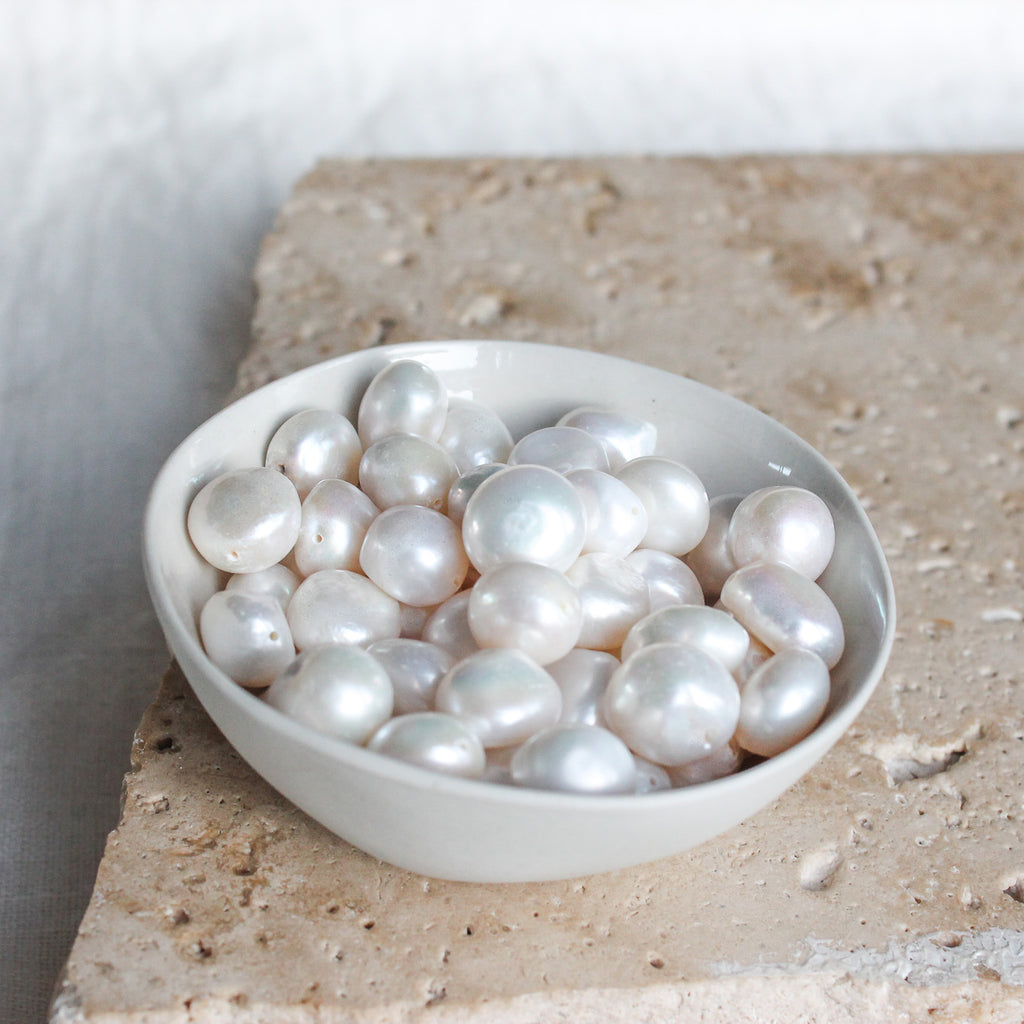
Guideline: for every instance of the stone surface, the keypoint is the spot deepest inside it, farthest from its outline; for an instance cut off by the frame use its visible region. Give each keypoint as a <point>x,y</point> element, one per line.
<point>874,306</point>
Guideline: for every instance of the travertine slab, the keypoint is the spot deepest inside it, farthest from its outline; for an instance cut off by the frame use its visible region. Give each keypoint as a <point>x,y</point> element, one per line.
<point>876,306</point>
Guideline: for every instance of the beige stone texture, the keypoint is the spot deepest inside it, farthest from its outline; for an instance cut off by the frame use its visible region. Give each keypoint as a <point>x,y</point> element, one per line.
<point>875,306</point>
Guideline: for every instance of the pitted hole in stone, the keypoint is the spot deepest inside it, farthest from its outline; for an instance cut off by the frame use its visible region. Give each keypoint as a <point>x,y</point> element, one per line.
<point>469,930</point>
<point>368,923</point>
<point>1015,889</point>
<point>163,743</point>
<point>656,961</point>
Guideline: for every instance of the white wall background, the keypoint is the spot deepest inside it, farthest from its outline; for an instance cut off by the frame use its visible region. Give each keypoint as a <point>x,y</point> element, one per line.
<point>144,147</point>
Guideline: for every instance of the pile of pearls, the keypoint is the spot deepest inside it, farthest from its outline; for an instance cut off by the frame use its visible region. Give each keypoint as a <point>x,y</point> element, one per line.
<point>568,611</point>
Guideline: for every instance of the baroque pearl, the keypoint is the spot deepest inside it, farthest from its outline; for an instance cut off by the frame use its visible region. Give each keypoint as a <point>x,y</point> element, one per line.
<point>415,667</point>
<point>669,579</point>
<point>246,636</point>
<point>335,517</point>
<point>616,518</point>
<point>336,606</point>
<point>405,397</point>
<point>532,607</point>
<point>782,702</point>
<point>503,695</point>
<point>465,487</point>
<point>623,436</point>
<point>245,519</point>
<point>783,524</point>
<point>575,759</point>
<point>414,554</point>
<point>432,740</point>
<point>726,760</point>
<point>277,582</point>
<point>524,514</point>
<point>783,608</point>
<point>672,703</point>
<point>448,627</point>
<point>315,445</point>
<point>336,689</point>
<point>402,469</point>
<point>560,448</point>
<point>675,500</point>
<point>613,596</point>
<point>711,560</point>
<point>582,676</point>
<point>713,631</point>
<point>474,434</point>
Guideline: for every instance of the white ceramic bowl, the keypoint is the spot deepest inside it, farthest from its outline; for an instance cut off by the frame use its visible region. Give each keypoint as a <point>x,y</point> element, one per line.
<point>475,831</point>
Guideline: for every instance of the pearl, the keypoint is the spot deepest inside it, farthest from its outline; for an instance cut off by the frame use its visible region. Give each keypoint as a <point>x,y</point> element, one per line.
<point>624,437</point>
<point>246,636</point>
<point>711,560</point>
<point>532,607</point>
<point>713,631</point>
<point>669,579</point>
<point>415,555</point>
<point>782,702</point>
<point>278,582</point>
<point>503,695</point>
<point>676,502</point>
<point>245,520</point>
<point>336,689</point>
<point>575,759</point>
<point>524,514</point>
<point>560,448</point>
<point>783,608</point>
<point>405,397</point>
<point>336,606</point>
<point>415,667</point>
<point>783,524</point>
<point>315,445</point>
<point>726,760</point>
<point>402,469</point>
<point>650,777</point>
<point>582,676</point>
<point>431,740</point>
<point>757,654</point>
<point>616,518</point>
<point>613,596</point>
<point>448,627</point>
<point>335,517</point>
<point>465,487</point>
<point>474,434</point>
<point>672,703</point>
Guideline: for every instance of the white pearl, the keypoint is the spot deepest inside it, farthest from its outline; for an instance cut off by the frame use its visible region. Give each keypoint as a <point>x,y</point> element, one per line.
<point>532,607</point>
<point>277,582</point>
<point>414,554</point>
<point>315,445</point>
<point>448,627</point>
<point>582,676</point>
<point>616,518</point>
<point>623,436</point>
<point>246,636</point>
<point>336,689</point>
<point>713,631</point>
<point>711,559</point>
<point>560,448</point>
<point>405,397</point>
<point>336,606</point>
<point>402,469</point>
<point>675,500</point>
<point>415,667</point>
<point>726,760</point>
<point>503,695</point>
<point>465,487</point>
<point>335,517</point>
<point>474,434</point>
<point>524,514</point>
<point>614,597</point>
<point>783,524</point>
<point>651,777</point>
<point>431,740</point>
<point>672,703</point>
<point>575,759</point>
<point>669,579</point>
<point>783,608</point>
<point>757,654</point>
<point>782,702</point>
<point>245,519</point>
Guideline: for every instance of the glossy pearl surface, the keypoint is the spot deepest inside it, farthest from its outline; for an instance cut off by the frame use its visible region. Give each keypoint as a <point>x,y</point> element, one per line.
<point>415,555</point>
<point>676,502</point>
<point>623,436</point>
<point>782,702</point>
<point>713,631</point>
<point>669,579</point>
<point>245,519</point>
<point>726,760</point>
<point>783,608</point>
<point>474,434</point>
<point>465,487</point>
<point>531,607</point>
<point>614,597</point>
<point>448,627</point>
<point>432,740</point>
<point>414,667</point>
<point>405,397</point>
<point>503,695</point>
<point>246,636</point>
<point>336,606</point>
<point>315,445</point>
<point>338,690</point>
<point>560,448</point>
<point>616,517</point>
<point>335,517</point>
<point>278,582</point>
<point>524,514</point>
<point>582,676</point>
<point>711,560</point>
<point>783,524</point>
<point>672,703</point>
<point>575,759</point>
<point>402,469</point>
<point>651,777</point>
